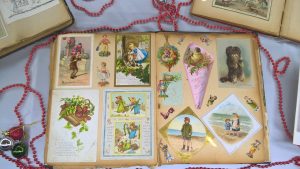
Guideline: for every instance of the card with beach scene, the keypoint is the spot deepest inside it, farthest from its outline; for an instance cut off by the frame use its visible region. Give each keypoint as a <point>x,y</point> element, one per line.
<point>185,134</point>
<point>231,123</point>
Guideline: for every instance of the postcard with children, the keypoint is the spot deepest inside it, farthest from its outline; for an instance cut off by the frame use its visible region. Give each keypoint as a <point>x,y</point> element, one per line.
<point>156,98</point>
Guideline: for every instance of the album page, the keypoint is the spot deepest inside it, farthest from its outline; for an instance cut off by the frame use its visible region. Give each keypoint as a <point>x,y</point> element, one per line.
<point>102,101</point>
<point>210,99</point>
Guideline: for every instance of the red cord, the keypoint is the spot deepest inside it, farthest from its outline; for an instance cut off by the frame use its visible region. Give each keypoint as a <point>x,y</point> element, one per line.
<point>168,13</point>
<point>93,14</point>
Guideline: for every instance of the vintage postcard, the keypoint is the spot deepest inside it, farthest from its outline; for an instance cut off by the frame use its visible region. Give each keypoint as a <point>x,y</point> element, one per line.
<point>128,126</point>
<point>235,62</point>
<point>170,88</point>
<point>3,32</point>
<point>73,128</point>
<point>13,10</point>
<point>133,60</point>
<point>231,123</point>
<point>185,133</point>
<point>256,8</point>
<point>74,61</point>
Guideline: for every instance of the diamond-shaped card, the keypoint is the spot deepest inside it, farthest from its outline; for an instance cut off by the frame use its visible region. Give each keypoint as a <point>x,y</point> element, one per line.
<point>184,142</point>
<point>231,123</point>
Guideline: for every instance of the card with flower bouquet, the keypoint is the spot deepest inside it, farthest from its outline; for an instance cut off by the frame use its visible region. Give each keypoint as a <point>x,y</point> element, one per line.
<point>131,99</point>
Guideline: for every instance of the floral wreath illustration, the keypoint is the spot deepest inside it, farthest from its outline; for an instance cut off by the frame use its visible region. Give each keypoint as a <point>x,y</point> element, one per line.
<point>168,13</point>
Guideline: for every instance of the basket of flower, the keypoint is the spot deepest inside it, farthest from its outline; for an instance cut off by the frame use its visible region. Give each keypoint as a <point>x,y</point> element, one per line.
<point>76,110</point>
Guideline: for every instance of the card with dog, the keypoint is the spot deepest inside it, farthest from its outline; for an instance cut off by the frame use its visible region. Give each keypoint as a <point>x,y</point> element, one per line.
<point>234,62</point>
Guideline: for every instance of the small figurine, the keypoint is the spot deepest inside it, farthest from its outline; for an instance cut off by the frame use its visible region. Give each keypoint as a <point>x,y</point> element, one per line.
<point>104,46</point>
<point>103,74</point>
<point>253,148</point>
<point>166,115</point>
<point>251,103</point>
<point>211,100</point>
<point>164,149</point>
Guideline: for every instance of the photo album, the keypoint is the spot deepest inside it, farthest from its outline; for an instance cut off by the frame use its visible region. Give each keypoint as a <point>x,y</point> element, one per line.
<point>136,99</point>
<point>25,21</point>
<point>296,138</point>
<point>274,17</point>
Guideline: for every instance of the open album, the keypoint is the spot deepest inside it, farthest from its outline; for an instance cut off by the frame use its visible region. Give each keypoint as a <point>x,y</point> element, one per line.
<point>130,99</point>
<point>275,17</point>
<point>25,21</point>
<point>296,138</point>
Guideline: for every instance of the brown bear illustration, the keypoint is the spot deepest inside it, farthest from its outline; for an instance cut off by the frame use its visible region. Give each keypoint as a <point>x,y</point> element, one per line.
<point>235,65</point>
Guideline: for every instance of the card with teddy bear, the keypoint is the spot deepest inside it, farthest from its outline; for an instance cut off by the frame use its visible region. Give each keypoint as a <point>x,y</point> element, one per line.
<point>132,99</point>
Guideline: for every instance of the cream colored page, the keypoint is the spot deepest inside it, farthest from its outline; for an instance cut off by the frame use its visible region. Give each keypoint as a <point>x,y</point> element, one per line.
<point>243,13</point>
<point>290,22</point>
<point>97,71</point>
<point>207,145</point>
<point>20,30</point>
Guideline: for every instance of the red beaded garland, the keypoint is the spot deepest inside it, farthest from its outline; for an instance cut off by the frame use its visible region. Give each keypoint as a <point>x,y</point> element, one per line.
<point>168,13</point>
